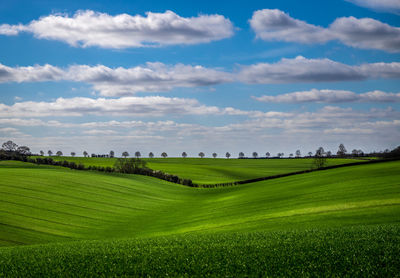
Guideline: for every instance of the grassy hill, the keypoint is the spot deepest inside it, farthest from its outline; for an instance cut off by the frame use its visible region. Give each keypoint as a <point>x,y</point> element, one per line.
<point>211,171</point>
<point>43,204</point>
<point>341,221</point>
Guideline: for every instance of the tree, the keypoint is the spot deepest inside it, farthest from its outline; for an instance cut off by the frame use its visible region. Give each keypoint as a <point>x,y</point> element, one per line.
<point>291,155</point>
<point>280,155</point>
<point>201,154</point>
<point>241,155</point>
<point>9,146</point>
<point>228,155</point>
<point>164,154</point>
<point>137,154</point>
<point>73,154</point>
<point>49,153</point>
<point>24,150</point>
<point>112,154</point>
<point>151,155</point>
<point>184,154</point>
<point>85,153</point>
<point>59,153</point>
<point>267,154</point>
<point>41,153</point>
<point>328,154</point>
<point>125,154</point>
<point>214,155</point>
<point>255,154</point>
<point>310,154</point>
<point>298,153</point>
<point>319,158</point>
<point>341,151</point>
<point>129,166</point>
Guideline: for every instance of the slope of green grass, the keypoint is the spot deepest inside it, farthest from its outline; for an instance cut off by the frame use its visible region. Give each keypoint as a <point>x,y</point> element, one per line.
<point>211,171</point>
<point>360,251</point>
<point>40,204</point>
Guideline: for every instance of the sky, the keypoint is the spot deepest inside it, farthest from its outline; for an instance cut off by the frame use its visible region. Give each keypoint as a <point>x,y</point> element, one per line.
<point>209,76</point>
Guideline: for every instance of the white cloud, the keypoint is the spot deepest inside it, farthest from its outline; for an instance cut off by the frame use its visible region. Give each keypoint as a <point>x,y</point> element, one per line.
<point>153,77</point>
<point>368,33</point>
<point>152,106</point>
<point>391,6</point>
<point>158,77</point>
<point>302,69</point>
<point>89,28</point>
<point>34,73</point>
<point>275,25</point>
<point>332,96</point>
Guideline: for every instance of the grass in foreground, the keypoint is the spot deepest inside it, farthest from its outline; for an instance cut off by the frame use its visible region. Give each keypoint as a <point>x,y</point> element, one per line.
<point>211,171</point>
<point>353,252</point>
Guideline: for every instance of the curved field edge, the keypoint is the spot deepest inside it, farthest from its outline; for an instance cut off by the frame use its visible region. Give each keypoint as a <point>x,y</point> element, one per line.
<point>41,204</point>
<point>212,171</point>
<point>357,251</point>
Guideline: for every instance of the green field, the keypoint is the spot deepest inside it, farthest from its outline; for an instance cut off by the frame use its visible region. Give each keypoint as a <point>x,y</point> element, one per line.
<point>343,221</point>
<point>211,171</point>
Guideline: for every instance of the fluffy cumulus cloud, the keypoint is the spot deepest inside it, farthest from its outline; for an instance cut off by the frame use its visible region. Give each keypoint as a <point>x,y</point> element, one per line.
<point>332,96</point>
<point>302,69</point>
<point>152,77</point>
<point>276,25</point>
<point>89,28</point>
<point>152,106</point>
<point>158,77</point>
<point>392,6</point>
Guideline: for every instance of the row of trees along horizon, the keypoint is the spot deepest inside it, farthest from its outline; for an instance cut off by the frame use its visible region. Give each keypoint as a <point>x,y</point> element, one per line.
<point>342,152</point>
<point>11,151</point>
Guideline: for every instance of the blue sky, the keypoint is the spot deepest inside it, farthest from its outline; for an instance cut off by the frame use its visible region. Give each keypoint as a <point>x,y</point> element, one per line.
<point>216,76</point>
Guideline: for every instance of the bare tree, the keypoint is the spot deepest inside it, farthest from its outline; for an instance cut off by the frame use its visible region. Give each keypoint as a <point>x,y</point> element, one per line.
<point>85,153</point>
<point>41,153</point>
<point>112,154</point>
<point>125,154</point>
<point>9,146</point>
<point>255,154</point>
<point>50,153</point>
<point>184,154</point>
<point>298,153</point>
<point>201,154</point>
<point>241,155</point>
<point>341,151</point>
<point>214,155</point>
<point>319,158</point>
<point>164,154</point>
<point>151,155</point>
<point>227,155</point>
<point>267,154</point>
<point>73,154</point>
<point>59,153</point>
<point>138,154</point>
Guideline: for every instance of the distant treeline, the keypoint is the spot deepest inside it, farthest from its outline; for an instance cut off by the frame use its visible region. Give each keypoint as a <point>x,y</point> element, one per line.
<point>125,166</point>
<point>138,166</point>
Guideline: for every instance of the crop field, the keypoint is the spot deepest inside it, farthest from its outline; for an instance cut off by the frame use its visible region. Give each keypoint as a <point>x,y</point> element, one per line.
<point>342,221</point>
<point>211,171</point>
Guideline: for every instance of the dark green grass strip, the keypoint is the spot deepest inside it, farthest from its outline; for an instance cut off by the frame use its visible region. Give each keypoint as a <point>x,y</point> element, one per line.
<point>360,251</point>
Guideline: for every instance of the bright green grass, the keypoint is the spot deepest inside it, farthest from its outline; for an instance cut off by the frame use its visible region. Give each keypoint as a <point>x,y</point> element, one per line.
<point>211,171</point>
<point>40,204</point>
<point>359,251</point>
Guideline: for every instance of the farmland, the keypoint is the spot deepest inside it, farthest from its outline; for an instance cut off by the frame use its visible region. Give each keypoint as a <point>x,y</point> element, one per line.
<point>296,223</point>
<point>211,171</point>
